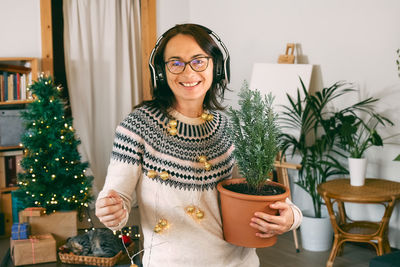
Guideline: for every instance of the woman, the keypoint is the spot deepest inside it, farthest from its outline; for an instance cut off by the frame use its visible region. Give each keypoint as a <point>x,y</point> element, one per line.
<point>170,153</point>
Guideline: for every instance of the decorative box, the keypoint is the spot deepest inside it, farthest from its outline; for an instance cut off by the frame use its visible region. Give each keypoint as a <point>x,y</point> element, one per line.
<point>36,249</point>
<point>33,211</point>
<point>20,231</point>
<point>62,224</point>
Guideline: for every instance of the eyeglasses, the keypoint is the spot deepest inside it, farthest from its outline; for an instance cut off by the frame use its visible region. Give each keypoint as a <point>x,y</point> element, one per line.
<point>197,64</point>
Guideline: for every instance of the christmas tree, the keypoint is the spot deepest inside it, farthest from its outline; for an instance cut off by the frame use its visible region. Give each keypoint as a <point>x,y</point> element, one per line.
<point>53,177</point>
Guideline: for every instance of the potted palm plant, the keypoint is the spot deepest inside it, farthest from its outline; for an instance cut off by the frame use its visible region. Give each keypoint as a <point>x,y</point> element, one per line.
<point>317,145</point>
<point>254,132</point>
<point>356,136</point>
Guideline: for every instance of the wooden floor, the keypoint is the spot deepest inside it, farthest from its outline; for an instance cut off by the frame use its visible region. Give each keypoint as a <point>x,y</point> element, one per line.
<point>283,254</point>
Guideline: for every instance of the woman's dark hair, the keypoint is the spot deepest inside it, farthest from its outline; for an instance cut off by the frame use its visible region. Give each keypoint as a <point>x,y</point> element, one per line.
<point>162,95</point>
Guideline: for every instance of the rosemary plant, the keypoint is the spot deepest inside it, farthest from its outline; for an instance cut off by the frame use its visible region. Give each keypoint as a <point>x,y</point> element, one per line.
<point>254,132</point>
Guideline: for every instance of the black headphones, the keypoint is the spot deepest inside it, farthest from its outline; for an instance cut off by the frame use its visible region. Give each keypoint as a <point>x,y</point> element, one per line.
<point>222,68</point>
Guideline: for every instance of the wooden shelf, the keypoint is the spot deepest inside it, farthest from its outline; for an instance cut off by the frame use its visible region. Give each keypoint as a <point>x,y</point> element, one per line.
<point>8,189</point>
<point>5,148</point>
<point>34,65</point>
<point>15,102</point>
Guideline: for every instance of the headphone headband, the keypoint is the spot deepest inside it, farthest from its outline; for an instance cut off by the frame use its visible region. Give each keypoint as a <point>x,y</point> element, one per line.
<point>158,76</point>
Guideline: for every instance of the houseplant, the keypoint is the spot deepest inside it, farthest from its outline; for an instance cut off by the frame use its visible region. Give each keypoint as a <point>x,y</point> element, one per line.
<point>254,132</point>
<point>317,141</point>
<point>356,136</point>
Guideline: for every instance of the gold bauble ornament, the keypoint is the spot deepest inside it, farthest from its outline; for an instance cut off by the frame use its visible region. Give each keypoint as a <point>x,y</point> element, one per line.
<point>210,117</point>
<point>172,131</point>
<point>134,265</point>
<point>202,159</point>
<point>163,223</point>
<point>164,175</point>
<point>189,209</point>
<point>204,116</point>
<point>172,123</point>
<point>157,228</point>
<point>207,166</point>
<point>199,214</point>
<point>152,174</point>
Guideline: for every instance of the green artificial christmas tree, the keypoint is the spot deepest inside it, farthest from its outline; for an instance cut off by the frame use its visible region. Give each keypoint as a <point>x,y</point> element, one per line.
<point>53,177</point>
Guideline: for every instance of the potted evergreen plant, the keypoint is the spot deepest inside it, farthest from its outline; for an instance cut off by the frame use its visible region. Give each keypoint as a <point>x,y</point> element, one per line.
<point>254,132</point>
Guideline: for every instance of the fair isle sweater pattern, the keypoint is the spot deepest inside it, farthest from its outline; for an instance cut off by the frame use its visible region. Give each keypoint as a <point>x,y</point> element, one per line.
<point>180,152</point>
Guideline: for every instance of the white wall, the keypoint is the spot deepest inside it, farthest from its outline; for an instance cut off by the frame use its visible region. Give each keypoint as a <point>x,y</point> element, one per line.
<point>20,28</point>
<point>355,41</point>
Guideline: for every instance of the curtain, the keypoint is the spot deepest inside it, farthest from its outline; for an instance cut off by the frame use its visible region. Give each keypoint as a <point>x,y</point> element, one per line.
<point>102,61</point>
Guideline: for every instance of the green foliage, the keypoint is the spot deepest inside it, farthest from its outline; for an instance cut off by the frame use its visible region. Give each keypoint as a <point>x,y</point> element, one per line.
<point>326,137</point>
<point>255,132</point>
<point>356,136</point>
<point>398,61</point>
<point>53,177</point>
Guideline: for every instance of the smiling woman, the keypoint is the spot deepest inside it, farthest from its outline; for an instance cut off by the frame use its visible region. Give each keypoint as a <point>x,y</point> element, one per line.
<point>170,153</point>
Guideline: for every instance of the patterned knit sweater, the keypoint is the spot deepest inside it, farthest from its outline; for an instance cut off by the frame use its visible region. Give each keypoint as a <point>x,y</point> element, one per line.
<point>162,174</point>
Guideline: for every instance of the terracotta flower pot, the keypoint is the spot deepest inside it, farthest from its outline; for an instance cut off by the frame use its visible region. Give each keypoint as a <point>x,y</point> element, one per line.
<point>238,209</point>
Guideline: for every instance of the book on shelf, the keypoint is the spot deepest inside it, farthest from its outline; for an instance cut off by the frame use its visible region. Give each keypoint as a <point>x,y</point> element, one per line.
<point>13,86</point>
<point>10,167</point>
<point>11,171</point>
<point>5,75</point>
<point>1,88</point>
<point>10,86</point>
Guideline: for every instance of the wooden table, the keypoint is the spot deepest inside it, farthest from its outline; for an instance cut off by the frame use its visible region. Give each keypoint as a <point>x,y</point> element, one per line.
<point>375,191</point>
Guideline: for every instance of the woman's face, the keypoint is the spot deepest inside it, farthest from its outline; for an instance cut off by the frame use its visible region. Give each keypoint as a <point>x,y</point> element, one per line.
<point>188,86</point>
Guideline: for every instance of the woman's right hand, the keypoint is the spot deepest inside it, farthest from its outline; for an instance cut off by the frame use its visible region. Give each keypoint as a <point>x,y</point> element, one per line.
<point>110,209</point>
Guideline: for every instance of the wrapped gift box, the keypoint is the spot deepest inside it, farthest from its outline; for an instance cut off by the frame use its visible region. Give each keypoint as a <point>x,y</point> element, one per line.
<point>20,231</point>
<point>62,224</point>
<point>36,249</point>
<point>33,211</point>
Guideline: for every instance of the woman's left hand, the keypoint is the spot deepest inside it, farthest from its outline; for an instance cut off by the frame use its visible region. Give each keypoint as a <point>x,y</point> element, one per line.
<point>270,225</point>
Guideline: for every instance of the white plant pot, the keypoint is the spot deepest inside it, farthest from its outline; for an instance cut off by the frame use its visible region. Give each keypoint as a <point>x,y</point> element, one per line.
<point>316,233</point>
<point>357,169</point>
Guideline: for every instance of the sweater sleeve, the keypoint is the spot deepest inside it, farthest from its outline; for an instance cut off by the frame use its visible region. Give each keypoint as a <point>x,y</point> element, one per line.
<point>297,215</point>
<point>122,178</point>
<point>125,168</point>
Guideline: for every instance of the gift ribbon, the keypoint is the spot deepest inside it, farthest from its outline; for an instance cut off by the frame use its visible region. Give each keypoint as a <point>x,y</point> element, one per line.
<point>19,226</point>
<point>19,230</point>
<point>33,209</point>
<point>33,241</point>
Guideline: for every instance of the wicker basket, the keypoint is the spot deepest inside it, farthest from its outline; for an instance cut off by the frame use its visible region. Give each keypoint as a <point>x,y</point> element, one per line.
<point>89,260</point>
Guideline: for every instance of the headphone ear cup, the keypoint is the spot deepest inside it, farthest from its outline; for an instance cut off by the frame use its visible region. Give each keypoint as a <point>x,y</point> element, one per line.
<point>219,71</point>
<point>227,69</point>
<point>153,76</point>
<point>160,79</point>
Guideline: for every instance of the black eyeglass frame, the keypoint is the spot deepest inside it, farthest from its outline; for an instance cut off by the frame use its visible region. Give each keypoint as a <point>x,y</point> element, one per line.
<point>187,63</point>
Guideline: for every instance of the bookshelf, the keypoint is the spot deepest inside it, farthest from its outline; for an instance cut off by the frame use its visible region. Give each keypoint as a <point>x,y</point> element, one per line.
<point>23,71</point>
<point>16,73</point>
